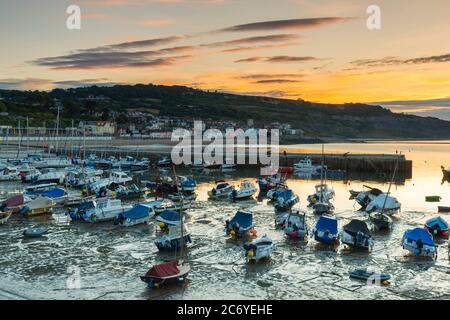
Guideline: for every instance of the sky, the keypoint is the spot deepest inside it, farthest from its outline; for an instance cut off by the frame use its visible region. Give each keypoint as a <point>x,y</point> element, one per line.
<point>316,50</point>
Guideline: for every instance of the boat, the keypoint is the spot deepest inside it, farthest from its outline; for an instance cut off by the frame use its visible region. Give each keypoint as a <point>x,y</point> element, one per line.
<point>10,174</point>
<point>35,232</point>
<point>306,166</point>
<point>240,225</point>
<point>13,204</point>
<point>40,205</point>
<point>187,184</point>
<point>167,204</point>
<point>228,168</point>
<point>445,172</point>
<point>166,273</point>
<point>295,226</point>
<point>167,219</point>
<point>270,182</point>
<point>75,200</point>
<point>272,194</point>
<point>220,191</point>
<point>322,194</point>
<point>357,235</point>
<point>56,194</point>
<point>286,170</point>
<point>326,230</point>
<point>175,197</point>
<point>30,175</point>
<point>387,204</point>
<point>380,220</point>
<point>246,190</point>
<point>51,163</point>
<point>443,209</point>
<point>139,214</point>
<point>259,249</point>
<point>41,187</point>
<point>437,226</point>
<point>363,198</point>
<point>106,210</point>
<point>50,175</point>
<point>4,216</point>
<point>370,276</point>
<point>116,177</point>
<point>285,200</point>
<point>164,162</point>
<point>433,198</point>
<point>419,242</point>
<point>131,192</point>
<point>76,214</point>
<point>173,240</point>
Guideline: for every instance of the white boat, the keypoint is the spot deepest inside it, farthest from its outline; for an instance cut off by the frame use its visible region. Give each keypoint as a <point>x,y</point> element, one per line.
<point>117,177</point>
<point>228,168</point>
<point>41,187</point>
<point>295,225</point>
<point>105,211</point>
<point>49,175</point>
<point>51,163</point>
<point>10,174</point>
<point>220,191</point>
<point>139,214</point>
<point>322,193</point>
<point>164,162</point>
<point>306,166</point>
<point>259,249</point>
<point>167,204</point>
<point>174,240</point>
<point>29,175</point>
<point>246,190</point>
<point>387,204</point>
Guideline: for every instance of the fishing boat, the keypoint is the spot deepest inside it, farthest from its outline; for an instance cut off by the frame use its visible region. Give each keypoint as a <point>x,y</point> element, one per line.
<point>173,240</point>
<point>259,249</point>
<point>357,235</point>
<point>40,205</point>
<point>387,204</point>
<point>35,232</point>
<point>380,220</point>
<point>306,166</point>
<point>4,216</point>
<point>105,211</point>
<point>167,219</point>
<point>326,230</point>
<point>295,226</point>
<point>166,273</point>
<point>10,174</point>
<point>371,276</point>
<point>241,225</point>
<point>437,226</point>
<point>322,194</point>
<point>419,242</point>
<point>246,190</point>
<point>164,162</point>
<point>220,191</point>
<point>77,213</point>
<point>285,200</point>
<point>187,184</point>
<point>139,214</point>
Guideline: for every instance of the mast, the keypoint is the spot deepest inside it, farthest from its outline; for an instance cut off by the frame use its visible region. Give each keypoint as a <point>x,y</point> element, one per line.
<point>181,213</point>
<point>20,142</point>
<point>390,183</point>
<point>57,130</point>
<point>322,174</point>
<point>28,141</point>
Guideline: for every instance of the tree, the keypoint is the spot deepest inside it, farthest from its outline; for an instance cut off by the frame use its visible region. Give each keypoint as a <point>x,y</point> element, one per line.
<point>3,107</point>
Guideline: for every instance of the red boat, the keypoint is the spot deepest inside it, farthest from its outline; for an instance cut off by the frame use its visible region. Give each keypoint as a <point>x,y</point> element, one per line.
<point>286,170</point>
<point>165,273</point>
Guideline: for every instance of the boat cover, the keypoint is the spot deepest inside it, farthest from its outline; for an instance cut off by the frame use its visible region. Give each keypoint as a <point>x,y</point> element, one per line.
<point>169,215</point>
<point>437,222</point>
<point>139,211</point>
<point>357,225</point>
<point>40,202</point>
<point>14,201</point>
<point>244,219</point>
<point>86,205</point>
<point>54,193</point>
<point>378,202</point>
<point>419,233</point>
<point>327,223</point>
<point>168,269</point>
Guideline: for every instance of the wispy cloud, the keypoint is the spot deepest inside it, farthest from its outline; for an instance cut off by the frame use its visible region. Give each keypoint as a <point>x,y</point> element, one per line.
<point>272,81</point>
<point>286,24</point>
<point>156,22</point>
<point>271,76</point>
<point>277,59</point>
<point>45,84</point>
<point>389,61</point>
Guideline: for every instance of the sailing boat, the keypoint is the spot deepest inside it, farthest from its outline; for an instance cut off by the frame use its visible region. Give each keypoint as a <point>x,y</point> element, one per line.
<point>174,271</point>
<point>320,200</point>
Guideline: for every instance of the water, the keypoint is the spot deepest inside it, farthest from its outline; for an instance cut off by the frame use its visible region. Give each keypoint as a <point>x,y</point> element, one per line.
<point>111,259</point>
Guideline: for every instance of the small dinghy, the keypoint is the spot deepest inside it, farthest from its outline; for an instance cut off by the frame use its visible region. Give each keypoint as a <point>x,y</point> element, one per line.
<point>166,273</point>
<point>259,249</point>
<point>220,191</point>
<point>174,240</point>
<point>420,243</point>
<point>357,235</point>
<point>295,226</point>
<point>246,191</point>
<point>380,221</point>
<point>35,232</point>
<point>139,214</point>
<point>168,218</point>
<point>369,276</point>
<point>437,226</point>
<point>326,230</point>
<point>240,225</point>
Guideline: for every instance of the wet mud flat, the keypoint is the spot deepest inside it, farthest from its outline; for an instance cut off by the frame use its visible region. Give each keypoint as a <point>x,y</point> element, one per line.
<point>109,260</point>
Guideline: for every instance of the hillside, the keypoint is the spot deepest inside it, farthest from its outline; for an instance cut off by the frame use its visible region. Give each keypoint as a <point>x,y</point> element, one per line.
<point>316,119</point>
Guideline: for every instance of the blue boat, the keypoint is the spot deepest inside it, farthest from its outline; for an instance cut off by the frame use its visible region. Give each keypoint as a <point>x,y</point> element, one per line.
<point>437,226</point>
<point>285,200</point>
<point>420,243</point>
<point>326,230</point>
<point>140,213</point>
<point>173,240</point>
<point>168,218</point>
<point>76,214</point>
<point>55,193</point>
<point>240,225</point>
<point>188,184</point>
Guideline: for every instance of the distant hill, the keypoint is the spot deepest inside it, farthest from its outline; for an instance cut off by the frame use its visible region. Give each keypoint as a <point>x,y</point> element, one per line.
<point>318,120</point>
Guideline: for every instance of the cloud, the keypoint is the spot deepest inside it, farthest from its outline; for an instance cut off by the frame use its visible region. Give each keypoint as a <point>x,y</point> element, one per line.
<point>156,22</point>
<point>135,44</point>
<point>254,48</point>
<point>261,39</point>
<point>389,61</point>
<point>24,84</point>
<point>277,59</point>
<point>271,76</point>
<point>270,81</point>
<point>286,24</point>
<point>103,82</point>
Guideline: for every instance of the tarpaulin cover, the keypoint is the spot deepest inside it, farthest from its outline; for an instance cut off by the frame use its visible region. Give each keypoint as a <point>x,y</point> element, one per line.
<point>437,222</point>
<point>327,223</point>
<point>14,201</point>
<point>86,205</point>
<point>164,270</point>
<point>137,212</point>
<point>357,225</point>
<point>169,215</point>
<point>52,193</point>
<point>419,233</point>
<point>244,219</point>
